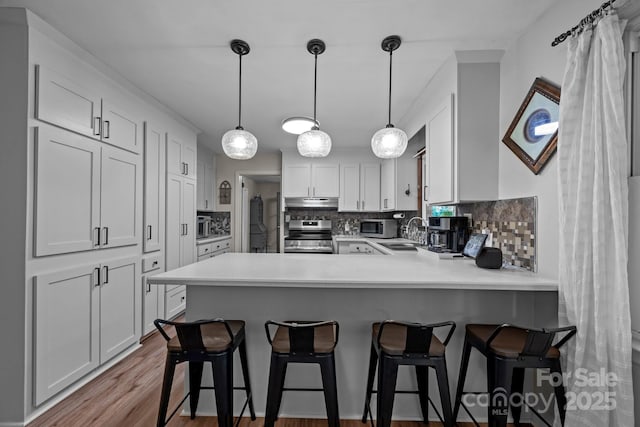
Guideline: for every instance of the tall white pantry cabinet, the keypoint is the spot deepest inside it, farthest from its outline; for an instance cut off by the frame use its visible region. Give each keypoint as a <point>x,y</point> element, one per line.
<point>84,168</point>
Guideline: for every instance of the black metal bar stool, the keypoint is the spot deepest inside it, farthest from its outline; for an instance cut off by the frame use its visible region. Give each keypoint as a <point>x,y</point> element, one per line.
<point>396,343</point>
<point>302,342</point>
<point>509,351</point>
<point>206,341</point>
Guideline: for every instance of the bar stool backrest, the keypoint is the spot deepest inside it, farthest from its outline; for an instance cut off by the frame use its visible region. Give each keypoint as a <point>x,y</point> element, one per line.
<point>301,334</point>
<point>419,335</point>
<point>538,341</point>
<point>190,333</point>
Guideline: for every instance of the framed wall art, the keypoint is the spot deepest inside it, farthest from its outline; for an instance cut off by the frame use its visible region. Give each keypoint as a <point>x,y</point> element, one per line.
<point>533,133</point>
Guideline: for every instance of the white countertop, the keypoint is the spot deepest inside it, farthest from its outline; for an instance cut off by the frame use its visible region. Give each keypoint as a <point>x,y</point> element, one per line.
<point>413,270</point>
<point>212,239</point>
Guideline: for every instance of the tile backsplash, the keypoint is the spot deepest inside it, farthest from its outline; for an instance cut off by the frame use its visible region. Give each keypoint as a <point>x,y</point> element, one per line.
<point>345,222</point>
<point>512,223</point>
<point>220,222</point>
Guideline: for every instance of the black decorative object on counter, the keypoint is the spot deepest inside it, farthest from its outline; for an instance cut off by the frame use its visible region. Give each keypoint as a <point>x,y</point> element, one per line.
<point>489,258</point>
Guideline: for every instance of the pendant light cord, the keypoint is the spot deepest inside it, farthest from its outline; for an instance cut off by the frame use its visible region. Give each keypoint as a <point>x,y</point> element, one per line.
<point>390,69</point>
<point>240,94</point>
<point>315,86</point>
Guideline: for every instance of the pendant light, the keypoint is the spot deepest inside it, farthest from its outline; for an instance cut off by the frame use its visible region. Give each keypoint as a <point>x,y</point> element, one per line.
<point>314,142</point>
<point>238,143</point>
<point>389,142</point>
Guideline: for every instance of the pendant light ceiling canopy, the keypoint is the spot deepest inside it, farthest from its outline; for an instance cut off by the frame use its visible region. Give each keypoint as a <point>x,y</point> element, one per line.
<point>314,142</point>
<point>239,143</point>
<point>389,142</point>
<point>298,125</point>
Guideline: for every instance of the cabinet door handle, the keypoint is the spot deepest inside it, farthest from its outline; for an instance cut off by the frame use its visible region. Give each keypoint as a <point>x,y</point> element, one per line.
<point>182,229</point>
<point>186,229</point>
<point>363,205</point>
<point>187,166</point>
<point>206,204</point>
<point>107,129</point>
<point>148,232</point>
<point>97,124</point>
<point>314,191</point>
<point>426,198</point>
<point>357,205</point>
<point>105,274</point>
<point>148,288</point>
<point>96,236</point>
<point>96,275</point>
<point>105,231</point>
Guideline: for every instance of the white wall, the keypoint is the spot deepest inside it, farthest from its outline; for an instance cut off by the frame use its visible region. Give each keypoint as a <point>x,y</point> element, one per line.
<point>13,194</point>
<point>529,57</point>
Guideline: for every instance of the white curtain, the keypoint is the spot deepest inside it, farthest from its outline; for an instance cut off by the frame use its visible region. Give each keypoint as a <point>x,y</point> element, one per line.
<point>593,282</point>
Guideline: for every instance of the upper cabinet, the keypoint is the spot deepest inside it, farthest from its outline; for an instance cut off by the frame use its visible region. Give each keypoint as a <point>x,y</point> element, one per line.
<point>87,193</point>
<point>462,137</point>
<point>359,187</point>
<point>206,179</point>
<point>64,103</point>
<point>181,157</point>
<point>311,180</point>
<point>399,183</point>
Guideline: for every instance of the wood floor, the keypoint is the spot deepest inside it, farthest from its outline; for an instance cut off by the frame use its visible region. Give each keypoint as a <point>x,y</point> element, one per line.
<point>127,395</point>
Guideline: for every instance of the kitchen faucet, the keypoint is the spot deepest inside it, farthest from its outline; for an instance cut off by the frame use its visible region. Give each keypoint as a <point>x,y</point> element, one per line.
<point>405,228</point>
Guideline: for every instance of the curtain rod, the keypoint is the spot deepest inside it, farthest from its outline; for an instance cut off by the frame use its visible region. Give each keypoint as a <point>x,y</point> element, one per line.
<point>589,19</point>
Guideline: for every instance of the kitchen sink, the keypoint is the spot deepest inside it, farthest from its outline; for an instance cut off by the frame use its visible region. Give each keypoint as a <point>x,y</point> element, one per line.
<point>404,246</point>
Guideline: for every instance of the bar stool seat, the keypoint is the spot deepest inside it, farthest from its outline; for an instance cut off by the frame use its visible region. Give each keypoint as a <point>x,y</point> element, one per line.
<point>510,342</point>
<point>202,341</point>
<point>394,338</point>
<point>510,350</point>
<point>396,343</point>
<point>324,340</point>
<point>302,342</point>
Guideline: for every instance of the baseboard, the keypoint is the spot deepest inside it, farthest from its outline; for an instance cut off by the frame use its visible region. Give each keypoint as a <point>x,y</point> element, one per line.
<point>76,386</point>
<point>12,424</point>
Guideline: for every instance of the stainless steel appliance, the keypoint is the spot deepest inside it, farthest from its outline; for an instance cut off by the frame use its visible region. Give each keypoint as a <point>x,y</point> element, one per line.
<point>447,234</point>
<point>204,226</point>
<point>309,236</point>
<point>311,202</point>
<point>381,228</point>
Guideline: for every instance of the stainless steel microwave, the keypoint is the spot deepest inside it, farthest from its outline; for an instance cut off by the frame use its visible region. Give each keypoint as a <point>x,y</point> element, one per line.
<point>381,228</point>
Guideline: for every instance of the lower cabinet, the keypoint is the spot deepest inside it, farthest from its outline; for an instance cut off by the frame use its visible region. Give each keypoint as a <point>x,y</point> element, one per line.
<point>152,295</point>
<point>175,301</point>
<point>209,250</point>
<point>84,316</point>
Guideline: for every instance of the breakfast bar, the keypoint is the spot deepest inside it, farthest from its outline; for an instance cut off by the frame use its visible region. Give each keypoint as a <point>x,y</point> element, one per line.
<point>356,291</point>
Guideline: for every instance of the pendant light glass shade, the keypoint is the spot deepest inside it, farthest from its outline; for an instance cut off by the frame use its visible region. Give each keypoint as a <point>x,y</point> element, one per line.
<point>389,142</point>
<point>314,142</point>
<point>238,143</point>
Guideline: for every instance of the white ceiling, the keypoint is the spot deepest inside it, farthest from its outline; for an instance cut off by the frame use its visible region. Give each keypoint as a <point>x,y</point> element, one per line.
<point>178,52</point>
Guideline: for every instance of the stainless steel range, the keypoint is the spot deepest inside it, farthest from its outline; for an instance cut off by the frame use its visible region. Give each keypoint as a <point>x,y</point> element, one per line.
<point>309,236</point>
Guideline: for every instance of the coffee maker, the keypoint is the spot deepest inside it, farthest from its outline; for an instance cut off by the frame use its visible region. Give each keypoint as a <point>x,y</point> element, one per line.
<point>447,233</point>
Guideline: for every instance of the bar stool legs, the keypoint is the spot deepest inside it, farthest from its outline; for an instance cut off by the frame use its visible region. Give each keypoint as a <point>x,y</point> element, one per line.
<point>404,343</point>
<point>167,382</point>
<point>328,373</point>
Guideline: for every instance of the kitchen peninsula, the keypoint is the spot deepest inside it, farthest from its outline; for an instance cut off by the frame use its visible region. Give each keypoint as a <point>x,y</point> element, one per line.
<point>356,290</point>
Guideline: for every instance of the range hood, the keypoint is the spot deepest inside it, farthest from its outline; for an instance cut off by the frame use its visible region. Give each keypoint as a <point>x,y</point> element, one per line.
<point>311,202</point>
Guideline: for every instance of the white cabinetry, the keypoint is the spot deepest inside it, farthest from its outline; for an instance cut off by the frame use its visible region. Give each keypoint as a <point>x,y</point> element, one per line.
<point>398,176</point>
<point>62,102</point>
<point>83,317</point>
<point>461,133</point>
<point>212,249</point>
<point>154,187</point>
<point>181,245</point>
<point>152,295</point>
<point>181,157</point>
<point>359,187</point>
<point>357,248</point>
<point>311,180</point>
<point>206,185</point>
<point>87,194</point>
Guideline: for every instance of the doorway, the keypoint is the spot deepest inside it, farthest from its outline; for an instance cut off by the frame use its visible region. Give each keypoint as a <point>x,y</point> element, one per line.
<point>267,187</point>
